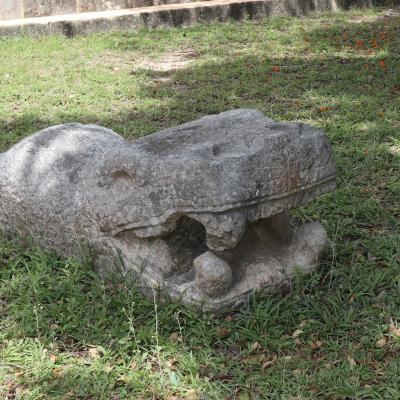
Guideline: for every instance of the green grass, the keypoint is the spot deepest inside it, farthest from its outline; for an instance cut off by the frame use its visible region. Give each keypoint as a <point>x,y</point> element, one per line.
<point>65,334</point>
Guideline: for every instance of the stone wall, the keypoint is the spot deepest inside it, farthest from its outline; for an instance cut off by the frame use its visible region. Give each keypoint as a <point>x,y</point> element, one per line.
<point>12,9</point>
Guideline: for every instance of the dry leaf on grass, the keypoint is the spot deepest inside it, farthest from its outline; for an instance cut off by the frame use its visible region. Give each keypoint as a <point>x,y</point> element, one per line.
<point>133,365</point>
<point>174,337</point>
<point>191,394</point>
<point>297,333</point>
<point>223,332</point>
<point>316,345</point>
<point>53,358</point>
<point>381,342</point>
<point>57,372</point>
<point>94,352</point>
<point>122,379</point>
<point>394,329</point>
<point>269,362</point>
<point>297,371</point>
<point>352,361</point>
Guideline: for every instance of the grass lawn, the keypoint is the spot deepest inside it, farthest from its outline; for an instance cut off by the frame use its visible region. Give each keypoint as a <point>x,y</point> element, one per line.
<point>65,334</point>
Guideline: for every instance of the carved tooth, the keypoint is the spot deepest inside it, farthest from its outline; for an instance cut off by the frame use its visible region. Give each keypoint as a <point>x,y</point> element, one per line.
<point>309,243</point>
<point>224,230</point>
<point>213,274</point>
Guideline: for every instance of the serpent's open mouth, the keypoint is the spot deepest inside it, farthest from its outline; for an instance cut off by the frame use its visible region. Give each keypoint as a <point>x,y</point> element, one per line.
<point>215,271</point>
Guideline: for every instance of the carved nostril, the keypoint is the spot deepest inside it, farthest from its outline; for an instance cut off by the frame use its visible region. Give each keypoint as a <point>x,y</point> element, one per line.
<point>216,150</point>
<point>122,175</point>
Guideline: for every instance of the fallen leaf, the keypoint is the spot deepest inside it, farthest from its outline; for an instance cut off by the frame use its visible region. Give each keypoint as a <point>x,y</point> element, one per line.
<point>351,361</point>
<point>297,371</point>
<point>394,330</point>
<point>57,372</point>
<point>353,296</point>
<point>382,64</point>
<point>316,345</point>
<point>297,333</point>
<point>381,342</point>
<point>323,109</point>
<point>174,337</point>
<point>191,394</point>
<point>268,363</point>
<point>53,358</point>
<point>94,352</point>
<point>374,43</point>
<point>223,332</point>
<point>122,379</point>
<point>275,68</point>
<point>133,365</point>
<point>171,363</point>
<point>255,346</point>
<point>313,389</point>
<point>68,396</point>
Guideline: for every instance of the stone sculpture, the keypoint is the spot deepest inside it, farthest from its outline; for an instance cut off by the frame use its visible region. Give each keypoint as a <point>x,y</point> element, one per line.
<point>199,210</point>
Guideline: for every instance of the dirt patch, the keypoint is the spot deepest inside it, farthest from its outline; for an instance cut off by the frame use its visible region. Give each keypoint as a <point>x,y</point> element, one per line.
<point>168,62</point>
<point>111,60</point>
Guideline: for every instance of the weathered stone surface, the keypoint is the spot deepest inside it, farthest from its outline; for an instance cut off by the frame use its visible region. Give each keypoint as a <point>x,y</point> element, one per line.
<point>96,5</point>
<point>64,7</point>
<point>220,185</point>
<point>180,13</point>
<point>213,274</point>
<point>10,9</point>
<point>42,17</point>
<point>37,8</point>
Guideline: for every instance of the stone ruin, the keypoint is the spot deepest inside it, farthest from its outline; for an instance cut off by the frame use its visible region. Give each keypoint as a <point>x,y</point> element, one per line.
<point>198,211</point>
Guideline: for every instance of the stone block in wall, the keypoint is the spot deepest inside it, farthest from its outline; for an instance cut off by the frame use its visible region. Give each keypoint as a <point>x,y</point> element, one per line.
<point>40,8</point>
<point>99,5</point>
<point>65,6</point>
<point>37,8</point>
<point>10,9</point>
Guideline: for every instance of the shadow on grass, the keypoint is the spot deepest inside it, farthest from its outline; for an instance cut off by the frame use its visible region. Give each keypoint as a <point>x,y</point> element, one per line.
<point>345,305</point>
